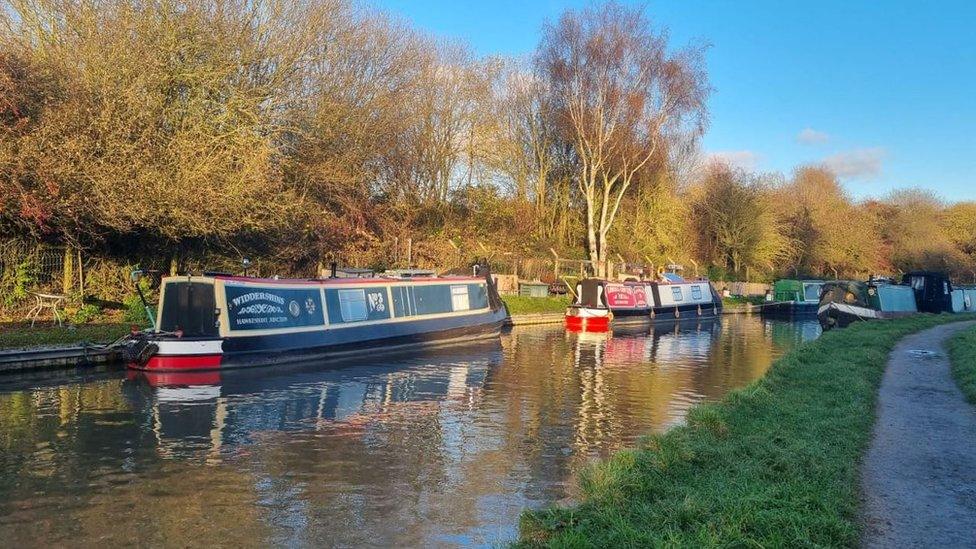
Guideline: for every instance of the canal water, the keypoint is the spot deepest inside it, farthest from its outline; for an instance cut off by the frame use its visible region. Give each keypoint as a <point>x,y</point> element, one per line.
<point>440,450</point>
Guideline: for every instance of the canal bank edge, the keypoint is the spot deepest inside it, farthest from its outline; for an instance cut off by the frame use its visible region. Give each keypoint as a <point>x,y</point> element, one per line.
<point>775,463</point>
<point>962,355</point>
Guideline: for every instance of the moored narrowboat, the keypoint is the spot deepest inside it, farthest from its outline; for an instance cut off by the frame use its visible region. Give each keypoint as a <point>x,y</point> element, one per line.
<point>845,302</point>
<point>220,321</point>
<point>793,298</point>
<point>599,301</point>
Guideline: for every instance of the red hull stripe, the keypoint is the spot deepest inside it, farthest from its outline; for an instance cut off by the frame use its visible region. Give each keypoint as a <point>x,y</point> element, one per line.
<point>590,324</point>
<point>182,363</point>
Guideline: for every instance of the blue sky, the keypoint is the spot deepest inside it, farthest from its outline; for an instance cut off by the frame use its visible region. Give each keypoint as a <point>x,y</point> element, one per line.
<point>885,91</point>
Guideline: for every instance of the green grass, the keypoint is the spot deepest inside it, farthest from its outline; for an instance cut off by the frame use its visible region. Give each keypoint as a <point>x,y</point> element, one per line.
<point>962,353</point>
<point>19,336</point>
<point>743,300</point>
<point>520,305</point>
<point>773,464</point>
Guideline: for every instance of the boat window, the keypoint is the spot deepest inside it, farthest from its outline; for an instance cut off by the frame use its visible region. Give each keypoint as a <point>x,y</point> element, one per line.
<point>696,293</point>
<point>433,299</point>
<point>811,292</point>
<point>676,292</point>
<point>401,301</point>
<point>352,305</point>
<point>477,296</point>
<point>459,298</point>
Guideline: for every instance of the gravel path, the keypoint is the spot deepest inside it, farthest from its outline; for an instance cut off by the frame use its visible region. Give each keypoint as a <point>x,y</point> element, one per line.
<point>918,480</point>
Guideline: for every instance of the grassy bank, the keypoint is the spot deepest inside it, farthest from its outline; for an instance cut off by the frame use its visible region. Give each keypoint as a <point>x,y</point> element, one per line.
<point>18,335</point>
<point>738,300</point>
<point>962,353</point>
<point>772,464</point>
<point>520,305</point>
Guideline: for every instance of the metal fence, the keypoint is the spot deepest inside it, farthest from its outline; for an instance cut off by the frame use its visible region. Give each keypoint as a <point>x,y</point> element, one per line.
<point>45,269</point>
<point>27,267</point>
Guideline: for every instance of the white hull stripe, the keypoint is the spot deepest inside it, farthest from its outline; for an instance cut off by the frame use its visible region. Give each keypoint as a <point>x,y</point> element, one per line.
<point>585,312</point>
<point>861,312</point>
<point>179,348</point>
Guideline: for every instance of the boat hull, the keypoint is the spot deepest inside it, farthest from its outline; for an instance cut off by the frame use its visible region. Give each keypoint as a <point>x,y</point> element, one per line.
<point>176,355</point>
<point>666,313</point>
<point>841,315</point>
<point>577,316</point>
<point>789,309</point>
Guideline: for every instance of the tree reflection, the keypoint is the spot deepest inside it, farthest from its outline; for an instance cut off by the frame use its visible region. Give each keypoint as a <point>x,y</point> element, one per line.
<point>448,447</point>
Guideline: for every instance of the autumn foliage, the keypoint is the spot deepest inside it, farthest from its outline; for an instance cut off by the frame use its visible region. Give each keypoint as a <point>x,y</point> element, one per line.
<point>318,131</point>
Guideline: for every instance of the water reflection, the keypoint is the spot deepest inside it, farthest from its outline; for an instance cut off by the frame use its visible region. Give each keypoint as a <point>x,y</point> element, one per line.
<point>444,449</point>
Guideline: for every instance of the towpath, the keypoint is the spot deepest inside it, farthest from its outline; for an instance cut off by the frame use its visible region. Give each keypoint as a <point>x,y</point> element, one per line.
<point>918,479</point>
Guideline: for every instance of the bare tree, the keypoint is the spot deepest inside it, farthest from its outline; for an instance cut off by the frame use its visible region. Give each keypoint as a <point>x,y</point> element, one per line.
<point>619,95</point>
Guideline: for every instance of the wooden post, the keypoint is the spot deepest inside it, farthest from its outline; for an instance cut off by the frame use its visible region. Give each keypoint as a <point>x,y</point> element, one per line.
<point>68,271</point>
<point>409,252</point>
<point>81,275</point>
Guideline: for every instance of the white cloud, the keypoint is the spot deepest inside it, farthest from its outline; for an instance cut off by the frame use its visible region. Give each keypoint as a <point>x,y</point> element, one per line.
<point>810,136</point>
<point>856,164</point>
<point>747,160</point>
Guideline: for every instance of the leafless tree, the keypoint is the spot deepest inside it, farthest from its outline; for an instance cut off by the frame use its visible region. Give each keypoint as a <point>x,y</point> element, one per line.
<point>619,95</point>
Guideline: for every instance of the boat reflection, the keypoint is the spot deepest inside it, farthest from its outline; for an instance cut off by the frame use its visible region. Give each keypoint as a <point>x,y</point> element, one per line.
<point>448,448</point>
<point>205,413</point>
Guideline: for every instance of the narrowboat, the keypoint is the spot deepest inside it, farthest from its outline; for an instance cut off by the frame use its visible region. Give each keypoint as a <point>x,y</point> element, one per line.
<point>217,321</point>
<point>844,302</point>
<point>964,299</point>
<point>793,298</point>
<point>598,302</point>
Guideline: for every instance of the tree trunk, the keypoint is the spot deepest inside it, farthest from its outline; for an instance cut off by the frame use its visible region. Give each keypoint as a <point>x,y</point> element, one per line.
<point>591,241</point>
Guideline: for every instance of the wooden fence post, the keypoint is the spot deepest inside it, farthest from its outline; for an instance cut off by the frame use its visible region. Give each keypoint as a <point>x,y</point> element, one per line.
<point>68,271</point>
<point>81,275</point>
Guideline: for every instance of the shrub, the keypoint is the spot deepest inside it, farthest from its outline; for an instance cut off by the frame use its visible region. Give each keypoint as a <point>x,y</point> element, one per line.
<point>85,314</point>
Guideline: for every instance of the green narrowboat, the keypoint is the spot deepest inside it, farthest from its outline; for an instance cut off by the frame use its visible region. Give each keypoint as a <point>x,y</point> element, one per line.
<point>793,298</point>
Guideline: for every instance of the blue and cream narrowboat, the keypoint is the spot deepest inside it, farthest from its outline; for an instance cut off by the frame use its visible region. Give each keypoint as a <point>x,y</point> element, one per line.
<point>222,321</point>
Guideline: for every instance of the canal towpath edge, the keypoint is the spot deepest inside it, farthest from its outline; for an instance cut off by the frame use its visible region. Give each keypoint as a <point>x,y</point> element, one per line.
<point>918,477</point>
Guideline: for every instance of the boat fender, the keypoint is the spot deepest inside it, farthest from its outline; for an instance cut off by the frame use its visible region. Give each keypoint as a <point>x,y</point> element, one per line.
<point>699,310</point>
<point>139,351</point>
<point>652,313</point>
<point>677,313</point>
